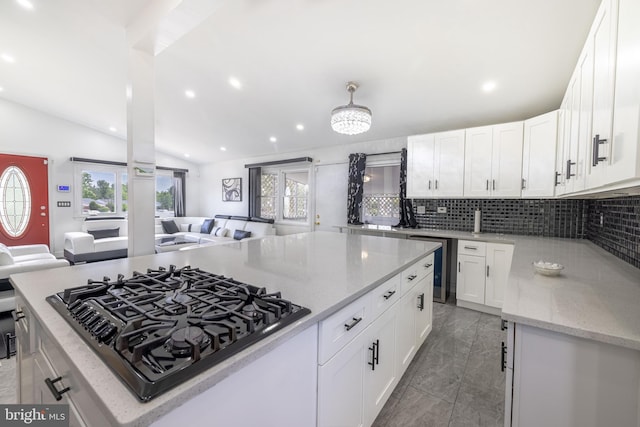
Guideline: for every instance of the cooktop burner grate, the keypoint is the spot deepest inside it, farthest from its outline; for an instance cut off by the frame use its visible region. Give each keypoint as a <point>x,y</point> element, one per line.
<point>159,328</point>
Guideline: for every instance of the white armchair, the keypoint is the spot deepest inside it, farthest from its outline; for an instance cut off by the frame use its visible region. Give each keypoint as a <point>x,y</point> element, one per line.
<point>20,259</point>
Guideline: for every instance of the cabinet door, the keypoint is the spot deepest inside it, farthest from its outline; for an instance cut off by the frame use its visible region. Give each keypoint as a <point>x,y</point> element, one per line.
<point>449,164</point>
<point>380,371</point>
<point>539,156</point>
<point>585,64</point>
<point>506,163</point>
<point>471,273</point>
<point>423,304</point>
<point>604,60</point>
<point>625,152</point>
<point>420,158</point>
<point>341,385</point>
<point>498,262</point>
<point>571,134</point>
<point>477,161</point>
<point>562,151</point>
<point>406,345</point>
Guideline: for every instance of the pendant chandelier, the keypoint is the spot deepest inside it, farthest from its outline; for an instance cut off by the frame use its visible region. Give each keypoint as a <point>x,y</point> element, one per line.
<point>351,119</point>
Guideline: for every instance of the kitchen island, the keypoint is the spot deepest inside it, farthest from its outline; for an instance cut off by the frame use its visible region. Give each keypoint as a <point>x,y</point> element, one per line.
<point>325,272</point>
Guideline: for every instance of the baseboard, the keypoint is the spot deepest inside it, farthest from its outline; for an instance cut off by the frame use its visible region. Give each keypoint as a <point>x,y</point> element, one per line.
<point>479,307</point>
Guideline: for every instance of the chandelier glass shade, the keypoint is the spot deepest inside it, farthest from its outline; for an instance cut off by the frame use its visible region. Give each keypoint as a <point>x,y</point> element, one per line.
<point>351,119</point>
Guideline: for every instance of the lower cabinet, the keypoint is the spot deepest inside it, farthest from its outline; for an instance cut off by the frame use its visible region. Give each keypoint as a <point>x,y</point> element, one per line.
<point>554,379</point>
<point>483,271</point>
<point>356,381</point>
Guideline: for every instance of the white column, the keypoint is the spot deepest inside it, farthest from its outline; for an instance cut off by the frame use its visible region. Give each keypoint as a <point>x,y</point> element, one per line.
<point>141,152</point>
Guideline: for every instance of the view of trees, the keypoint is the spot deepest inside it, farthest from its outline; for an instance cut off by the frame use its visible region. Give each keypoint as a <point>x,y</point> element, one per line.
<point>101,194</point>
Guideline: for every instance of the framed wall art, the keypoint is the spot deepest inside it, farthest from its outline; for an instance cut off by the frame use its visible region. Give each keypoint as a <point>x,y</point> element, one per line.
<point>232,190</point>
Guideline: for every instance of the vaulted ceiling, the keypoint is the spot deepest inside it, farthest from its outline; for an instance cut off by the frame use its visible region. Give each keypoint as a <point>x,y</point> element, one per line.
<point>420,65</point>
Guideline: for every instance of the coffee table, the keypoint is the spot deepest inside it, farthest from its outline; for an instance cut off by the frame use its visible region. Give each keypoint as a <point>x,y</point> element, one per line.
<point>168,244</point>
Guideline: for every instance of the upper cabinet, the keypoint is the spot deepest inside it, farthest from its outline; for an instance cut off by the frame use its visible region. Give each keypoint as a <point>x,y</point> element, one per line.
<point>539,156</point>
<point>435,165</point>
<point>493,161</point>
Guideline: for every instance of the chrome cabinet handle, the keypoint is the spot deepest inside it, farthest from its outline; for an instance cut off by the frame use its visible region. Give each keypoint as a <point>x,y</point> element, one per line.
<point>56,393</point>
<point>421,301</point>
<point>429,184</point>
<point>569,174</point>
<point>388,294</point>
<point>349,326</point>
<point>524,184</point>
<point>503,363</point>
<point>487,271</point>
<point>558,175</point>
<point>596,149</point>
<point>459,269</point>
<point>436,184</point>
<point>375,355</point>
<point>487,185</point>
<point>494,183</point>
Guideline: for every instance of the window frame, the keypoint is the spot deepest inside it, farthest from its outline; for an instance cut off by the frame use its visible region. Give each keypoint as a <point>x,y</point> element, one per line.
<point>281,172</point>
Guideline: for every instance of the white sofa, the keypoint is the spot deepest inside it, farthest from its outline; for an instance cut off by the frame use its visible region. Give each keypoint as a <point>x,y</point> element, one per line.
<point>20,259</point>
<point>103,239</point>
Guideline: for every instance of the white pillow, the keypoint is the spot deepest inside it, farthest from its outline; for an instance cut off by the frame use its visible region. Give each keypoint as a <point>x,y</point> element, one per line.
<point>220,232</point>
<point>5,256</point>
<point>185,227</point>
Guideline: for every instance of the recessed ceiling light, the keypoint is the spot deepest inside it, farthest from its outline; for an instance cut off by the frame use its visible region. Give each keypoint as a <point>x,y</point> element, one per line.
<point>113,129</point>
<point>223,148</point>
<point>25,3</point>
<point>187,155</point>
<point>1,89</point>
<point>189,94</point>
<point>8,58</point>
<point>489,86</point>
<point>273,139</point>
<point>300,126</point>
<point>235,82</point>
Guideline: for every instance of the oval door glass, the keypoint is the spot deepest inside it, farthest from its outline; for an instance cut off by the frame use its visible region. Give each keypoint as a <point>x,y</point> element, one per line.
<point>15,201</point>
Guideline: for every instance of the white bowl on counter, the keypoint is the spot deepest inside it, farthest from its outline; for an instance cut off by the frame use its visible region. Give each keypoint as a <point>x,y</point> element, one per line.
<point>547,268</point>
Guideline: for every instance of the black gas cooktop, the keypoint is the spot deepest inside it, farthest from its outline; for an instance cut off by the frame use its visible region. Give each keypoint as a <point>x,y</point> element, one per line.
<point>160,328</point>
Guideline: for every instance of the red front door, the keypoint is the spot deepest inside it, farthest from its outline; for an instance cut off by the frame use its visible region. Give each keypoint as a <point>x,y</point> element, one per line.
<point>24,200</point>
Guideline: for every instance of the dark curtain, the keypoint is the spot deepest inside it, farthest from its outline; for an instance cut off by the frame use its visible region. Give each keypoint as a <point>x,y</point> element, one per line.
<point>254,191</point>
<point>357,164</point>
<point>407,217</point>
<point>179,188</point>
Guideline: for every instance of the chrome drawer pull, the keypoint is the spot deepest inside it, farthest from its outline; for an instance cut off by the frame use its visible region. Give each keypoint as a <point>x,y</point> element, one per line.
<point>388,294</point>
<point>350,326</point>
<point>473,248</point>
<point>413,276</point>
<point>427,265</point>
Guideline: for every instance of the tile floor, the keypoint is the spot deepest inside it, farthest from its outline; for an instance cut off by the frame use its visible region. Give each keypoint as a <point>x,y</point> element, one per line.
<point>455,378</point>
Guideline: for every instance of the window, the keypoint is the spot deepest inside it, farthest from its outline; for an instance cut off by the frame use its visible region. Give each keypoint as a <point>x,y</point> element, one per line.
<point>381,195</point>
<point>284,194</point>
<point>105,190</point>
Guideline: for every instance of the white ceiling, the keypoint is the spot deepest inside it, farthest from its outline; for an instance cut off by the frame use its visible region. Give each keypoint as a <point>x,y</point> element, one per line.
<point>420,65</point>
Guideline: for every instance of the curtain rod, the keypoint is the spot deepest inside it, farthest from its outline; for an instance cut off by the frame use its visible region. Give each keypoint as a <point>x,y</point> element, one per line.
<point>382,154</point>
<point>280,162</point>
<point>110,163</point>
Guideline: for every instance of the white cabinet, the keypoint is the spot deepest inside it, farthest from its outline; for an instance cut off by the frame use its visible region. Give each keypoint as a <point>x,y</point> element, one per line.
<point>603,42</point>
<point>435,165</point>
<point>555,379</point>
<point>493,161</point>
<point>539,156</point>
<point>357,372</point>
<point>483,270</point>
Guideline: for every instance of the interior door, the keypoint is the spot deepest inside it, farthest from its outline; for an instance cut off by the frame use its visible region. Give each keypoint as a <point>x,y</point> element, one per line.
<point>24,200</point>
<point>331,196</point>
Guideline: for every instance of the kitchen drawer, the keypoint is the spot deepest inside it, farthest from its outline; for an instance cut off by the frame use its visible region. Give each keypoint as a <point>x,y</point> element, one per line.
<point>470,247</point>
<point>385,295</point>
<point>343,326</point>
<point>425,265</point>
<point>412,275</point>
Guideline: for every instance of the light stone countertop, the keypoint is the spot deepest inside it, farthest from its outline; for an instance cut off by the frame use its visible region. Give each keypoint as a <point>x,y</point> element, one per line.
<point>322,271</point>
<point>597,296</point>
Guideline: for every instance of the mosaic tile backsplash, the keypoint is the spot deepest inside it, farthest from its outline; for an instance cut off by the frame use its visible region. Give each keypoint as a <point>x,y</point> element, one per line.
<point>614,225</point>
<point>551,218</point>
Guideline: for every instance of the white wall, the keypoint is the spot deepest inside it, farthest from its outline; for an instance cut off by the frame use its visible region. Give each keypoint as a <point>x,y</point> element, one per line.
<point>334,158</point>
<point>25,131</point>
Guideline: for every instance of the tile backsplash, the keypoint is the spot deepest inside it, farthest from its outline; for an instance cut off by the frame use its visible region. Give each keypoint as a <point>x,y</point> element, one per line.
<point>551,218</point>
<point>614,225</point>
